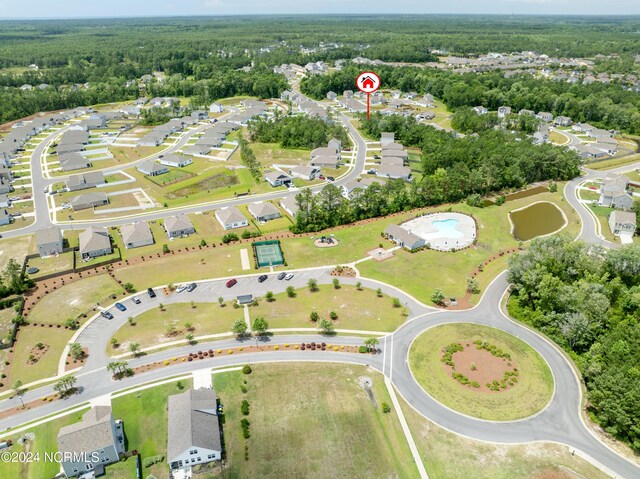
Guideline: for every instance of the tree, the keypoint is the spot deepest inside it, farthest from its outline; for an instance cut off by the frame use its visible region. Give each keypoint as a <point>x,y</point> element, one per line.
<point>269,296</point>
<point>171,329</point>
<point>70,323</point>
<point>114,342</point>
<point>221,301</point>
<point>260,325</point>
<point>19,390</point>
<point>438,296</point>
<point>291,292</point>
<point>188,326</point>
<point>190,338</point>
<point>333,315</point>
<point>379,293</point>
<point>359,285</point>
<point>132,321</point>
<point>326,327</point>
<point>129,288</point>
<point>165,248</point>
<point>371,343</point>
<point>314,316</point>
<point>134,348</point>
<point>473,286</point>
<point>336,283</point>
<point>65,385</point>
<point>386,408</point>
<point>313,285</point>
<point>396,303</point>
<point>75,350</point>
<point>239,327</point>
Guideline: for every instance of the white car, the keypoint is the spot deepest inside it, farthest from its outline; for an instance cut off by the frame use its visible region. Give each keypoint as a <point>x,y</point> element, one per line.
<point>181,288</point>
<point>289,276</point>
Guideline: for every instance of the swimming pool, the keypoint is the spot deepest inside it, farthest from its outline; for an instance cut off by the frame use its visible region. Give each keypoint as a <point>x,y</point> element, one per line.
<point>445,229</point>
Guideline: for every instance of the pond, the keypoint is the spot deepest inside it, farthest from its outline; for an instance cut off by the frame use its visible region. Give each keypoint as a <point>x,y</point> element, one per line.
<point>538,219</point>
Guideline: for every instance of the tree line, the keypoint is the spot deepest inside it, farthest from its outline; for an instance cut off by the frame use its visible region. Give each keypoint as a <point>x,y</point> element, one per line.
<point>297,131</point>
<point>587,299</point>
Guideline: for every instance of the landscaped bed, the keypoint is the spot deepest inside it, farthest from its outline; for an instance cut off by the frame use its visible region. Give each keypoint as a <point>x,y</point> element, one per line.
<point>527,395</point>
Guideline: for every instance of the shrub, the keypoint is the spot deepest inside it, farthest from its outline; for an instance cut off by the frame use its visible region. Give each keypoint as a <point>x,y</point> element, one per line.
<point>229,237</point>
<point>165,248</point>
<point>379,293</point>
<point>245,407</point>
<point>336,283</point>
<point>151,460</point>
<point>291,292</point>
<point>203,242</point>
<point>314,316</point>
<point>246,369</point>
<point>500,200</point>
<point>396,303</point>
<point>386,408</point>
<point>244,424</point>
<point>363,349</point>
<point>243,388</point>
<point>333,315</point>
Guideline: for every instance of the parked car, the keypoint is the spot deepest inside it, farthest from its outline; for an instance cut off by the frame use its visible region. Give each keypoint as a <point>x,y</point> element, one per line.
<point>191,287</point>
<point>106,314</point>
<point>136,300</point>
<point>376,157</point>
<point>121,306</point>
<point>330,178</point>
<point>181,288</point>
<point>262,278</point>
<point>151,292</point>
<point>289,276</point>
<point>371,172</point>
<point>321,177</point>
<point>282,275</point>
<point>231,282</point>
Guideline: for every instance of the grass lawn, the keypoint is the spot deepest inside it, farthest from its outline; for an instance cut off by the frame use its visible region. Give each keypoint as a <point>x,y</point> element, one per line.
<point>45,441</point>
<point>602,213</point>
<point>74,299</point>
<point>28,336</point>
<point>50,265</point>
<point>449,270</point>
<point>633,175</point>
<point>446,455</point>
<point>15,248</point>
<point>356,309</point>
<point>613,162</point>
<point>6,317</point>
<point>528,396</point>
<point>558,138</point>
<point>18,223</point>
<point>589,195</point>
<point>270,153</point>
<point>279,224</point>
<point>144,415</point>
<point>303,414</point>
<point>151,327</point>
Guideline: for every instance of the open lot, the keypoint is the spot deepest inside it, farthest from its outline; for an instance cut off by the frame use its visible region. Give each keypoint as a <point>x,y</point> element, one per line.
<point>318,409</point>
<point>51,265</point>
<point>529,395</point>
<point>16,248</point>
<point>356,309</point>
<point>613,162</point>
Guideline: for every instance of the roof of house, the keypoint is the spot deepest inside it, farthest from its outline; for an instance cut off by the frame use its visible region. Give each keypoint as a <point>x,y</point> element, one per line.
<point>330,160</point>
<point>323,152</point>
<point>275,175</point>
<point>174,158</point>
<point>136,232</point>
<point>192,422</point>
<point>93,239</point>
<point>177,223</point>
<point>304,170</point>
<point>402,234</point>
<point>392,160</point>
<point>230,215</point>
<point>151,167</point>
<point>49,235</point>
<point>290,204</point>
<point>92,197</point>
<point>392,146</point>
<point>94,432</point>
<point>74,159</point>
<point>262,208</point>
<point>624,217</point>
<point>393,170</point>
<point>615,184</point>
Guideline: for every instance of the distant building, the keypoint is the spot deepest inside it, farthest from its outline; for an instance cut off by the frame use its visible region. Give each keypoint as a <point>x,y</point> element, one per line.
<point>562,121</point>
<point>545,116</point>
<point>49,241</point>
<point>504,111</point>
<point>387,138</point>
<point>404,238</point>
<point>480,110</point>
<point>216,108</point>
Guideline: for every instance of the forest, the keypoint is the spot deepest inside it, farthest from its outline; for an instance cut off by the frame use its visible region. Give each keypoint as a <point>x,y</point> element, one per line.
<point>297,132</point>
<point>607,106</point>
<point>587,299</point>
<point>452,169</point>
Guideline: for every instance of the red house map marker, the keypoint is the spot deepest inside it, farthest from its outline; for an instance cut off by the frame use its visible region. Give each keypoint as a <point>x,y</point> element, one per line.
<point>368,82</point>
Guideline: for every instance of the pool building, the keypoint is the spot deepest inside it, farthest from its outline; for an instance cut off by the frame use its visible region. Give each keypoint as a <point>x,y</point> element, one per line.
<point>439,231</point>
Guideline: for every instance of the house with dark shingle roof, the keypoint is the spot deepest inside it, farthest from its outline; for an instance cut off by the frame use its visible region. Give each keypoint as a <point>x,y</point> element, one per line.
<point>85,180</point>
<point>264,211</point>
<point>89,200</point>
<point>136,235</point>
<point>179,225</point>
<point>193,429</point>
<point>49,241</point>
<point>94,242</point>
<point>90,445</point>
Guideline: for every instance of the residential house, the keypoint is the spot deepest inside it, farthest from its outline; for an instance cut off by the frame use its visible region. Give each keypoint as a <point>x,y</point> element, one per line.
<point>5,173</point>
<point>94,242</point>
<point>325,161</point>
<point>216,108</point>
<point>5,187</point>
<point>5,217</point>
<point>425,115</point>
<point>176,161</point>
<point>582,127</point>
<point>394,172</point>
<point>83,181</point>
<point>526,112</point>
<point>392,160</point>
<point>151,168</point>
<point>562,121</point>
<point>277,178</point>
<point>589,152</point>
<point>387,138</point>
<point>179,225</point>
<point>290,205</point>
<point>332,96</point>
<point>307,173</point>
<point>264,211</point>
<point>49,241</point>
<point>231,217</point>
<point>404,238</point>
<point>599,133</point>
<point>545,116</point>
<point>199,115</point>
<point>90,445</point>
<point>89,200</point>
<point>392,146</point>
<point>73,161</point>
<point>504,111</point>
<point>623,224</point>
<point>194,150</point>
<point>347,94</point>
<point>193,430</point>
<point>5,202</point>
<point>613,192</point>
<point>335,143</point>
<point>353,188</point>
<point>355,106</point>
<point>331,151</point>
<point>136,235</point>
<point>480,110</point>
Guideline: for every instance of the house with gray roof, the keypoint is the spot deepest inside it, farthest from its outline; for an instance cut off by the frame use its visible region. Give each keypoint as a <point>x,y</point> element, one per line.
<point>5,202</point>
<point>5,186</point>
<point>179,225</point>
<point>73,161</point>
<point>193,429</point>
<point>136,235</point>
<point>231,217</point>
<point>623,224</point>
<point>545,116</point>
<point>277,178</point>
<point>394,172</point>
<point>264,211</point>
<point>504,111</point>
<point>85,180</point>
<point>403,237</point>
<point>613,192</point>
<point>151,168</point>
<point>307,173</point>
<point>175,160</point>
<point>5,217</point>
<point>90,445</point>
<point>49,241</point>
<point>89,200</point>
<point>325,161</point>
<point>290,205</point>
<point>94,242</point>
<point>324,152</point>
<point>5,173</point>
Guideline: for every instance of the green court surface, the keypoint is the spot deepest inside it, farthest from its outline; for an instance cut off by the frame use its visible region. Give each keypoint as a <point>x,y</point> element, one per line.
<point>268,253</point>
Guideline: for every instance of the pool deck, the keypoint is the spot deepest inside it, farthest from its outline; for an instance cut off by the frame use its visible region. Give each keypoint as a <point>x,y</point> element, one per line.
<point>461,235</point>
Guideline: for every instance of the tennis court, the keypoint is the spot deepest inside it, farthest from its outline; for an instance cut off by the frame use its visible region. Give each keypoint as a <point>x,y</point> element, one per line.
<point>268,253</point>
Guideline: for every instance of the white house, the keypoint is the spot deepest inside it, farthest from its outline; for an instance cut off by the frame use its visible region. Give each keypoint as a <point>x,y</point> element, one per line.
<point>277,178</point>
<point>231,217</point>
<point>623,224</point>
<point>307,173</point>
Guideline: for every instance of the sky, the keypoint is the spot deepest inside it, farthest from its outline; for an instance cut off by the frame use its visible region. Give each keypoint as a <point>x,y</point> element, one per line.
<point>28,9</point>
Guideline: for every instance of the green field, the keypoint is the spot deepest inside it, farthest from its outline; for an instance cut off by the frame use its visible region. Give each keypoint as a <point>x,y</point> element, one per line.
<point>302,415</point>
<point>531,394</point>
<point>356,309</point>
<point>613,162</point>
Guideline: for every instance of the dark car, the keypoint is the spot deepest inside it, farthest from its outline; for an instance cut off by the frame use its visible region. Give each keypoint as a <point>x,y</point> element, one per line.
<point>121,306</point>
<point>282,275</point>
<point>191,287</point>
<point>231,283</point>
<point>376,157</point>
<point>136,300</point>
<point>106,314</point>
<point>330,178</point>
<point>151,293</point>
<point>262,278</point>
